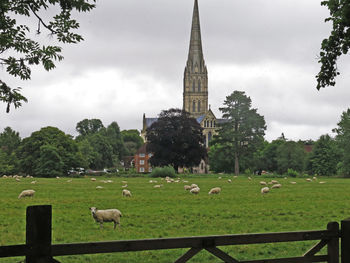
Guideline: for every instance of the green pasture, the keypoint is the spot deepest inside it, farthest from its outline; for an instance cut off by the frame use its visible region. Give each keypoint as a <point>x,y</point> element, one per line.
<point>173,212</point>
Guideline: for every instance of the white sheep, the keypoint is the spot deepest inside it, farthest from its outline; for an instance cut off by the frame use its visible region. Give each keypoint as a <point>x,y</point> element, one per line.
<point>263,183</point>
<point>309,180</point>
<point>276,186</point>
<point>99,187</point>
<point>274,181</point>
<point>124,186</point>
<point>215,190</point>
<point>26,193</point>
<point>229,181</point>
<point>109,215</point>
<point>265,190</point>
<point>187,187</point>
<point>33,182</point>
<point>322,182</point>
<point>195,190</point>
<point>126,193</point>
<point>194,186</point>
<point>158,186</point>
<point>93,179</point>
<point>293,182</point>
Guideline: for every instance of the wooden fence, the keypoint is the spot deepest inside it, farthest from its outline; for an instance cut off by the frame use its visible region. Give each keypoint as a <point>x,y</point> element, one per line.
<point>38,247</point>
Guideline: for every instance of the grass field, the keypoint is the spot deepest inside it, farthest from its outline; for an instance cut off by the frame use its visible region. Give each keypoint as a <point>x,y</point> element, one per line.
<point>172,212</point>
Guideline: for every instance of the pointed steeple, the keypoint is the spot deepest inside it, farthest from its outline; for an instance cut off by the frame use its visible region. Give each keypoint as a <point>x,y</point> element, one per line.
<point>195,51</point>
<point>195,96</point>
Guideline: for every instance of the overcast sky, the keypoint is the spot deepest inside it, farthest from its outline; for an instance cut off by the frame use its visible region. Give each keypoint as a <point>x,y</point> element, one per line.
<point>134,54</point>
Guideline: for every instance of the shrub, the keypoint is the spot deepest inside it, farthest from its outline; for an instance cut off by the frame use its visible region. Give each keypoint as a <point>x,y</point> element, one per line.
<point>163,172</point>
<point>292,173</point>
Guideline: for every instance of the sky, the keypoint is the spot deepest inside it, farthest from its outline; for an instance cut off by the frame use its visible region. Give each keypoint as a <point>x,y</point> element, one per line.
<point>134,54</point>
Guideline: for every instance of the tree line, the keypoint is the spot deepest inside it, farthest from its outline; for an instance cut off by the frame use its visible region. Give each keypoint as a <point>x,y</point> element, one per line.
<point>240,145</point>
<point>50,152</point>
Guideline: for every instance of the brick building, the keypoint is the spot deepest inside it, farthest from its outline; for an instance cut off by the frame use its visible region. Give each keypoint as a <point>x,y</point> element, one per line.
<point>141,160</point>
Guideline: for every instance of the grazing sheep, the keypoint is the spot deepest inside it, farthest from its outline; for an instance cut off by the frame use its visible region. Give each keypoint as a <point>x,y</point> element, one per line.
<point>195,190</point>
<point>322,182</point>
<point>229,181</point>
<point>276,186</point>
<point>274,182</point>
<point>187,187</point>
<point>293,182</point>
<point>4,176</point>
<point>93,179</point>
<point>249,178</point>
<point>26,193</point>
<point>158,186</point>
<point>124,186</point>
<point>57,177</point>
<point>18,180</point>
<point>215,190</point>
<point>315,178</point>
<point>263,183</point>
<point>194,186</point>
<point>235,176</point>
<point>309,180</point>
<point>99,187</point>
<point>126,193</point>
<point>70,180</point>
<point>219,178</point>
<point>109,215</point>
<point>33,182</point>
<point>265,190</point>
<point>109,181</point>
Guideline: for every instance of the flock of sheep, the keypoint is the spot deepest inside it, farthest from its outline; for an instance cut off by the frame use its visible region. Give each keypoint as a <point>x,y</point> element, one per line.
<point>114,215</point>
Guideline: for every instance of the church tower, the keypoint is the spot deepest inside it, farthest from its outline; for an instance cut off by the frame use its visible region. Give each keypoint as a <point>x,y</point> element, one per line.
<point>195,94</point>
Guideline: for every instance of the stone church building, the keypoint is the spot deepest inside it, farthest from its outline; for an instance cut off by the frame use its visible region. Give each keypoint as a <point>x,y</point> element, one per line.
<point>195,86</point>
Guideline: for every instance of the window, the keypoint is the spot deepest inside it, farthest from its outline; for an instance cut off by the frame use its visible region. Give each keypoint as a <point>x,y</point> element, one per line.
<point>150,169</point>
<point>193,87</point>
<point>142,162</point>
<point>214,124</point>
<point>211,123</point>
<point>141,154</point>
<point>199,106</point>
<point>193,106</point>
<point>199,85</point>
<point>141,170</point>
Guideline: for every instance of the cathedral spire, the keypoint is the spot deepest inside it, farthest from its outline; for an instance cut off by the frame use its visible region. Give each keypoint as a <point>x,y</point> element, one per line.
<point>195,51</point>
<point>195,96</point>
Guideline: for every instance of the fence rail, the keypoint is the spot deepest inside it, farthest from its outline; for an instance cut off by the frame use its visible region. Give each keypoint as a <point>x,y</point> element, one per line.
<point>38,247</point>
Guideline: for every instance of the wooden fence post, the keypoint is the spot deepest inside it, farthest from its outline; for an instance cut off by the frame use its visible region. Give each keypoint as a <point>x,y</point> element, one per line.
<point>333,244</point>
<point>38,234</point>
<point>345,240</point>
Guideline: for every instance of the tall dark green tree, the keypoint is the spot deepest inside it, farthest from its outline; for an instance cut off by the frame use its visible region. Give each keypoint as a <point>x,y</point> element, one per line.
<point>19,52</point>
<point>243,130</point>
<point>31,153</point>
<point>115,139</point>
<point>132,141</point>
<point>176,139</point>
<point>336,44</point>
<point>343,141</point>
<point>89,126</point>
<point>50,163</point>
<point>9,142</point>
<point>324,157</point>
<point>269,155</point>
<point>290,155</point>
